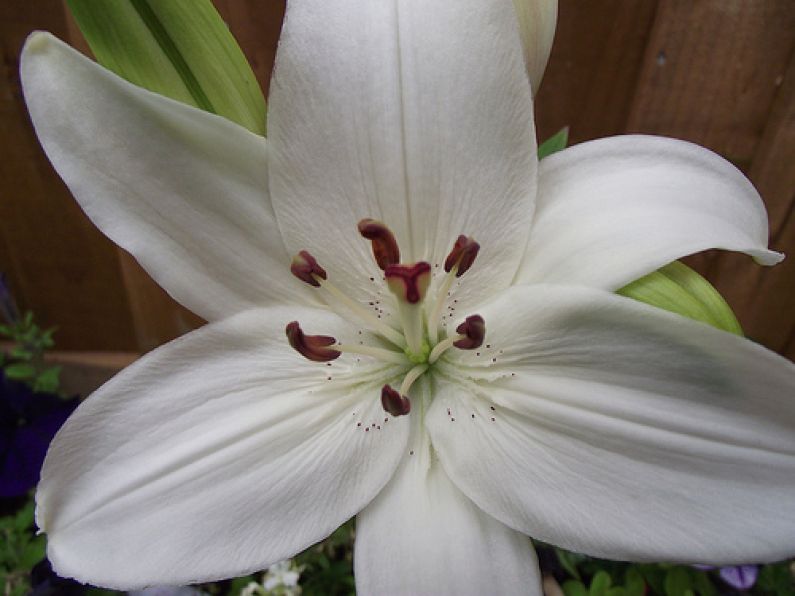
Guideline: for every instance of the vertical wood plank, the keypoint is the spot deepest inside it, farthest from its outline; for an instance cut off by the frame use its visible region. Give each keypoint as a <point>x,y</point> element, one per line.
<point>59,265</point>
<point>711,72</point>
<point>764,296</point>
<point>592,72</point>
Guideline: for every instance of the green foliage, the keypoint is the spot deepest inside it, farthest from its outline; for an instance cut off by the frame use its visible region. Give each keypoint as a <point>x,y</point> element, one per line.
<point>25,360</point>
<point>179,48</point>
<point>20,550</point>
<point>778,579</point>
<point>328,566</point>
<point>555,143</point>
<point>679,289</point>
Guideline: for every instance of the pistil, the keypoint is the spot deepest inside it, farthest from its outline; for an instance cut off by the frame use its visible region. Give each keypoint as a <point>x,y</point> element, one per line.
<point>409,283</point>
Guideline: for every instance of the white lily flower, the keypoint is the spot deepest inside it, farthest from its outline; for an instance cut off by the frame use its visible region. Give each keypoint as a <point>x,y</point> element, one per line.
<point>583,419</point>
<point>537,21</point>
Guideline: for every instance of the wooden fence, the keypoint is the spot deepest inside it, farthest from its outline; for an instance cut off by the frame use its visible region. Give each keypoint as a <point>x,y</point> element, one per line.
<point>720,73</point>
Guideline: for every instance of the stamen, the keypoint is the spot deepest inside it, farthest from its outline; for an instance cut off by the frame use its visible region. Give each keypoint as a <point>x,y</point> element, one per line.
<point>379,353</point>
<point>471,334</point>
<point>312,347</point>
<point>474,330</point>
<point>385,247</point>
<point>456,264</point>
<point>372,321</point>
<point>393,402</point>
<point>306,268</point>
<point>414,374</point>
<point>462,256</point>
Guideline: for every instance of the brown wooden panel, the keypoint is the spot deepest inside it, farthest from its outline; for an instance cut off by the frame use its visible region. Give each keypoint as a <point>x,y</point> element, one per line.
<point>590,81</point>
<point>59,265</point>
<point>765,297</point>
<point>711,72</point>
<point>256,26</point>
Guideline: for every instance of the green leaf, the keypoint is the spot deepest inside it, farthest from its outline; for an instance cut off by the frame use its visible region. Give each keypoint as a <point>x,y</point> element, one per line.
<point>19,371</point>
<point>600,584</point>
<point>633,582</point>
<point>703,584</point>
<point>48,381</point>
<point>33,552</point>
<point>179,48</point>
<point>679,289</point>
<point>568,561</point>
<point>555,143</point>
<point>574,588</point>
<point>20,353</point>
<point>678,582</point>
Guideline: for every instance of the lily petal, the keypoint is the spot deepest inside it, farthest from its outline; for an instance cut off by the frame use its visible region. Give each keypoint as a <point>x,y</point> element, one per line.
<point>421,535</point>
<point>184,191</point>
<point>611,211</point>
<point>537,22</point>
<point>623,431</point>
<point>214,456</point>
<point>415,113</point>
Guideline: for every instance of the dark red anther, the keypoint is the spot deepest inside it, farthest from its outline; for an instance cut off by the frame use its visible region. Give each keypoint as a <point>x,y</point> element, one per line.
<point>313,347</point>
<point>409,282</point>
<point>305,268</point>
<point>474,330</point>
<point>385,247</point>
<point>463,255</point>
<point>393,402</point>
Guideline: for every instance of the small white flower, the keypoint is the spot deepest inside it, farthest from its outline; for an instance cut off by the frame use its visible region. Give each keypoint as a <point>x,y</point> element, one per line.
<point>583,419</point>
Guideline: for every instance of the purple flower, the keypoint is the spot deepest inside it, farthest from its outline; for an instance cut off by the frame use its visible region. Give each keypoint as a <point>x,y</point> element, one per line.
<point>28,422</point>
<point>740,577</point>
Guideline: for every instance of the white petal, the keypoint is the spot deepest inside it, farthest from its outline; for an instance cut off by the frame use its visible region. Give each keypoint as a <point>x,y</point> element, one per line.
<point>214,456</point>
<point>627,432</point>
<point>184,191</point>
<point>611,211</point>
<point>537,21</point>
<point>421,535</point>
<point>415,113</point>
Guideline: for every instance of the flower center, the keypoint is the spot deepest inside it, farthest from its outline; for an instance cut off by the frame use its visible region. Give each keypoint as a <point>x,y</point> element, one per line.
<point>420,341</point>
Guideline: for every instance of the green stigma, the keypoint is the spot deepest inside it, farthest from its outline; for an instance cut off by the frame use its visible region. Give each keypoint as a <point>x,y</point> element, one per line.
<point>421,357</point>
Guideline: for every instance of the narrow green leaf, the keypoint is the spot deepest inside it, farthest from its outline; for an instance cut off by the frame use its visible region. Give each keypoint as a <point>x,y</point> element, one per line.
<point>178,48</point>
<point>568,562</point>
<point>19,371</point>
<point>48,381</point>
<point>555,143</point>
<point>679,289</point>
<point>20,353</point>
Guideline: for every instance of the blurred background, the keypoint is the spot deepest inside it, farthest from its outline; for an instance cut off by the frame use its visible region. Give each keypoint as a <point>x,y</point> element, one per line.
<point>720,73</point>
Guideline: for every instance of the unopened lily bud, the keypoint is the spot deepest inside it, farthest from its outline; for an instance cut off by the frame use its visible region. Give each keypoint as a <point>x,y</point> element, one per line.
<point>305,268</point>
<point>312,347</point>
<point>537,21</point>
<point>464,252</point>
<point>474,331</point>
<point>393,402</point>
<point>409,282</point>
<point>385,246</point>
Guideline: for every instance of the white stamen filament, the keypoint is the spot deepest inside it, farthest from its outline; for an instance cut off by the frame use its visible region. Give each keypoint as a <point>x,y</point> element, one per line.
<point>414,374</point>
<point>441,298</point>
<point>373,322</point>
<point>442,347</point>
<point>378,353</point>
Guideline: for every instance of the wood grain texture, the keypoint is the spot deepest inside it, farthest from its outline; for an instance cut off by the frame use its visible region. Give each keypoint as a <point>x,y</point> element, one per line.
<point>59,265</point>
<point>715,72</point>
